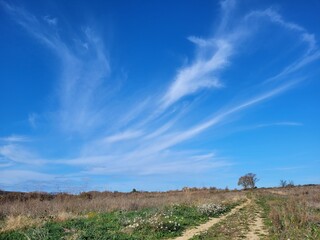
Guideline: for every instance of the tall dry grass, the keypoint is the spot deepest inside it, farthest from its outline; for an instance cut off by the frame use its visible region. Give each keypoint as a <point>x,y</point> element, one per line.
<point>21,210</point>
<point>294,213</point>
<point>44,205</point>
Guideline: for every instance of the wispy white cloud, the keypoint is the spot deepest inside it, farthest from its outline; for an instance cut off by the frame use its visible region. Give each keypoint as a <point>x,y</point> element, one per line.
<point>186,166</point>
<point>81,85</point>
<point>19,154</point>
<point>137,110</point>
<point>122,136</point>
<point>212,56</point>
<point>171,162</point>
<point>31,24</point>
<point>276,18</point>
<point>297,65</point>
<point>268,125</point>
<point>81,91</point>
<point>170,140</point>
<point>160,131</point>
<point>294,124</point>
<point>12,177</point>
<point>15,138</point>
<point>312,52</point>
<point>310,40</point>
<point>146,155</point>
<point>200,75</point>
<point>200,42</point>
<point>50,20</point>
<point>227,8</point>
<point>32,119</point>
<point>190,79</point>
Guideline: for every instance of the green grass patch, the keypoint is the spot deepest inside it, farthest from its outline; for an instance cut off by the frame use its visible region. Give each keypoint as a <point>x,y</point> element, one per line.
<point>145,224</point>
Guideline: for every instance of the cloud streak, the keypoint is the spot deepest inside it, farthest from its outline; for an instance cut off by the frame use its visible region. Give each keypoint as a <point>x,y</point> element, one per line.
<point>19,154</point>
<point>122,136</point>
<point>201,74</point>
<point>311,54</point>
<point>15,138</point>
<point>84,71</point>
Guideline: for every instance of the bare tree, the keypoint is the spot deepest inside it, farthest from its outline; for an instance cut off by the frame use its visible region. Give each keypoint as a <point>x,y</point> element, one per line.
<point>283,183</point>
<point>248,181</point>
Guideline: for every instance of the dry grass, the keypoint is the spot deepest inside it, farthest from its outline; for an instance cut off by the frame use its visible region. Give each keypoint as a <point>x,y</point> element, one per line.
<point>19,222</point>
<point>107,201</point>
<point>293,213</point>
<point>18,210</point>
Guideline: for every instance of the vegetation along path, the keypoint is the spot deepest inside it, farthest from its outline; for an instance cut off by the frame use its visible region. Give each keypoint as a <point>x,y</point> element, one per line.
<point>204,227</point>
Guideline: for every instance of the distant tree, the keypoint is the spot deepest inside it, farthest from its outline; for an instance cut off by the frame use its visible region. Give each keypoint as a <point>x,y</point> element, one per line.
<point>283,183</point>
<point>248,181</point>
<point>290,184</point>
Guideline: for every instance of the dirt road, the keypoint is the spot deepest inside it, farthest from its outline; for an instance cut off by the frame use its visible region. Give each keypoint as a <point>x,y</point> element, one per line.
<point>194,231</point>
<point>242,222</point>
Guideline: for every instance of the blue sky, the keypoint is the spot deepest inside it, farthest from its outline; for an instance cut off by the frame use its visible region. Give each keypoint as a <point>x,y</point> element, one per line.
<point>158,95</point>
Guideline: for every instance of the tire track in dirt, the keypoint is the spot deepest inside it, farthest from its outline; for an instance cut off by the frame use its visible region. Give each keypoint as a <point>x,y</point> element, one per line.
<point>204,227</point>
<point>256,228</point>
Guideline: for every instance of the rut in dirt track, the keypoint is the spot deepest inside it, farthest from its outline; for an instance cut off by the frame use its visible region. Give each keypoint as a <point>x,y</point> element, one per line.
<point>257,230</point>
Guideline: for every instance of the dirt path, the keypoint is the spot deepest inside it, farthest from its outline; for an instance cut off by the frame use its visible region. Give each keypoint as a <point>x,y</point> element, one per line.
<point>194,231</point>
<point>256,227</point>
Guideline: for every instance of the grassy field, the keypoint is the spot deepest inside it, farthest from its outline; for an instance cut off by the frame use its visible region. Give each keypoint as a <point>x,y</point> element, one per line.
<point>292,213</point>
<point>277,213</point>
